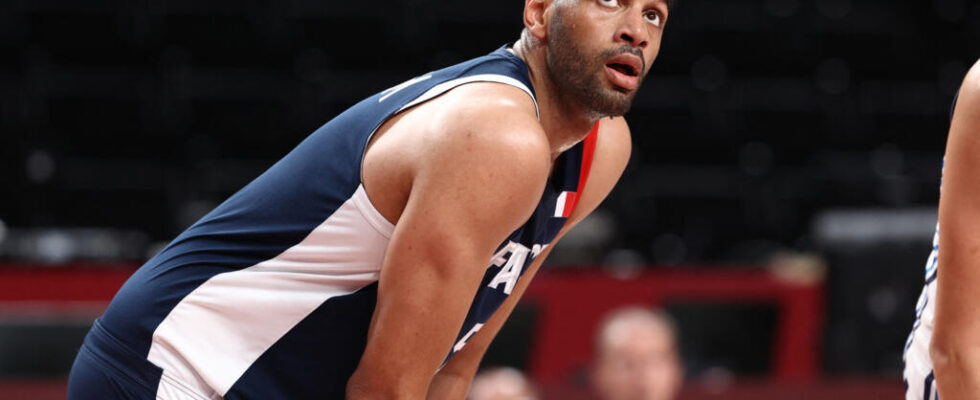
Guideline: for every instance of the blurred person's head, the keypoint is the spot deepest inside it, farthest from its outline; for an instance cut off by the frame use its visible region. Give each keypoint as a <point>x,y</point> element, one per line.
<point>501,383</point>
<point>636,356</point>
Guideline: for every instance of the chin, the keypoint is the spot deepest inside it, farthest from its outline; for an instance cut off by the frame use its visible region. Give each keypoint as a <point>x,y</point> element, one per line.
<point>614,106</point>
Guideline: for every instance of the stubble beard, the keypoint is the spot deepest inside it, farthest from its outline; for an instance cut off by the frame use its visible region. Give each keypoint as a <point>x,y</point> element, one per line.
<point>576,74</point>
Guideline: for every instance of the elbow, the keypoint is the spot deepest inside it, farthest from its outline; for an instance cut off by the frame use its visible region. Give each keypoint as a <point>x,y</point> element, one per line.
<point>954,353</point>
<point>364,386</point>
<point>360,386</point>
<point>941,353</point>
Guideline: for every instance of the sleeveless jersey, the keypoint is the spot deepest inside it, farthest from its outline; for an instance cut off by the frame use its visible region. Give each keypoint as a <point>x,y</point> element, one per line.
<point>269,296</point>
<point>918,376</point>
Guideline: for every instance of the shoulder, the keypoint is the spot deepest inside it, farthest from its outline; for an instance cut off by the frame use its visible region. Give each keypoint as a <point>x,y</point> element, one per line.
<point>615,142</point>
<point>479,156</point>
<point>495,122</point>
<point>966,112</point>
<point>963,142</point>
<point>970,89</point>
<point>612,154</point>
<point>492,105</point>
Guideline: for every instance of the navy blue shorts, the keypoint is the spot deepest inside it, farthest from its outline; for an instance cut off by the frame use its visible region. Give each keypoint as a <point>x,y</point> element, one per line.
<point>106,369</point>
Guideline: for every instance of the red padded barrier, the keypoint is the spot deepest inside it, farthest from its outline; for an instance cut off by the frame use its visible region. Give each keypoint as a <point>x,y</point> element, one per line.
<point>572,302</point>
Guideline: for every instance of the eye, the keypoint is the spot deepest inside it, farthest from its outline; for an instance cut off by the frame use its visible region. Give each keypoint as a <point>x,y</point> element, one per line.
<point>653,17</point>
<point>609,3</point>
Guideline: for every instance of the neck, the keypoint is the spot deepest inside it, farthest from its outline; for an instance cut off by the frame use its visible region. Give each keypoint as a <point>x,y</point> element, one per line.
<point>564,122</point>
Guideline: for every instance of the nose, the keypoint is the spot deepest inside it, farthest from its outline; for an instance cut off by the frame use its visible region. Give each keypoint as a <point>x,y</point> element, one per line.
<point>633,31</point>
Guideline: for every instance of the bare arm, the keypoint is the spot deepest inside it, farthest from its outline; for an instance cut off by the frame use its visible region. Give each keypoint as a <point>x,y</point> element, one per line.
<point>480,170</point>
<point>612,154</point>
<point>955,348</point>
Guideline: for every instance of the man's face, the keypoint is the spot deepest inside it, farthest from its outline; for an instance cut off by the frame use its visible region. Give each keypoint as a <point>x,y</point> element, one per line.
<point>598,51</point>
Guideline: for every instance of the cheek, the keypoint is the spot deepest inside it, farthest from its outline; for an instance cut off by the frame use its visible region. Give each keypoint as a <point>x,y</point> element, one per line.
<point>651,52</point>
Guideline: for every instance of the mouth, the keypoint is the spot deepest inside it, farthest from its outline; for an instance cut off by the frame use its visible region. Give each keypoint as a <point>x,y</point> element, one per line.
<point>624,69</point>
<point>623,72</point>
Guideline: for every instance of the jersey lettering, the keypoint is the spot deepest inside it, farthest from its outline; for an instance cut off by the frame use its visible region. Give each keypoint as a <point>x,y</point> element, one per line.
<point>462,342</point>
<point>513,265</point>
<point>537,249</point>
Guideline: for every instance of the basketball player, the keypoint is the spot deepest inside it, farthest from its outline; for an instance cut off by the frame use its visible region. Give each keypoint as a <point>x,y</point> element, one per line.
<point>942,355</point>
<point>380,257</point>
<point>636,356</point>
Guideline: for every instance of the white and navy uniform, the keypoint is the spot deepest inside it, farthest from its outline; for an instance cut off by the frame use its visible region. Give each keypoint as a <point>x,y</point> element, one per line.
<point>920,381</point>
<point>918,376</point>
<point>269,296</point>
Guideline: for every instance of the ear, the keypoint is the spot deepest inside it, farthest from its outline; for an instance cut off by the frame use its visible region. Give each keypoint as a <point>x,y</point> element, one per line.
<point>534,17</point>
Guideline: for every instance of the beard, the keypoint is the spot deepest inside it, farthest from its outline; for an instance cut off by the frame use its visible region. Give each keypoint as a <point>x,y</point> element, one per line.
<point>577,74</point>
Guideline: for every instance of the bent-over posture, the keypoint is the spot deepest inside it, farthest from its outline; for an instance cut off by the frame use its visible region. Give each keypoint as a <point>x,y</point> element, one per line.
<point>380,257</point>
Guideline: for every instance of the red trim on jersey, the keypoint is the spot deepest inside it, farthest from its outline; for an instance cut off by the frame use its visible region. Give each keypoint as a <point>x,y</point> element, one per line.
<point>570,199</point>
<point>587,151</point>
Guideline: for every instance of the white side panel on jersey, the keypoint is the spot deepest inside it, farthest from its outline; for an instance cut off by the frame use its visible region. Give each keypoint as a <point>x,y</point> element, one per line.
<point>221,328</point>
<point>449,85</point>
<point>918,364</point>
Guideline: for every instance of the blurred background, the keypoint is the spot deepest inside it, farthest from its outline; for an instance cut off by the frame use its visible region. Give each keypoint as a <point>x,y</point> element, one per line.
<point>779,204</point>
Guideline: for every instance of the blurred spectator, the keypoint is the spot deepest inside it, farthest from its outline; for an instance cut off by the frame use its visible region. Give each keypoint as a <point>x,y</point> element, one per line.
<point>502,383</point>
<point>636,356</point>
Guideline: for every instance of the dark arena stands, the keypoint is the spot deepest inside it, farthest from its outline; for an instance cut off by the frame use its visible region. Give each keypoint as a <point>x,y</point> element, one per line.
<point>779,204</point>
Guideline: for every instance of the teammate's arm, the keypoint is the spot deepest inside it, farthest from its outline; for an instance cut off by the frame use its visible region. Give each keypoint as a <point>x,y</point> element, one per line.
<point>955,348</point>
<point>481,167</point>
<point>611,155</point>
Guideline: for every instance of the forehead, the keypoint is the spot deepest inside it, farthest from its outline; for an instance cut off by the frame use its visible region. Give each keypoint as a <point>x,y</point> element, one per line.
<point>635,329</point>
<point>667,3</point>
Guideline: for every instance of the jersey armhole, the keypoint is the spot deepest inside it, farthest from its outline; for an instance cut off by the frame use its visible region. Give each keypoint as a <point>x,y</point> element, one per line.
<point>444,87</point>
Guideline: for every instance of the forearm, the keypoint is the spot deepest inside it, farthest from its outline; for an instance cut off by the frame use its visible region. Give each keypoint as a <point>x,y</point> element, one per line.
<point>414,326</point>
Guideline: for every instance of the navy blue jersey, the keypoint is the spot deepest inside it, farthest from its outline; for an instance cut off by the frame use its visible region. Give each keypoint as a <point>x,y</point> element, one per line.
<point>269,296</point>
